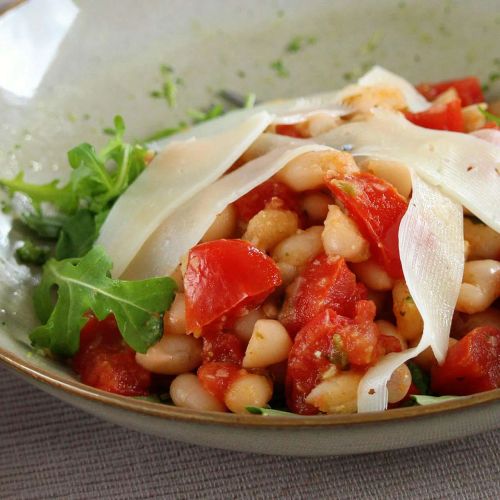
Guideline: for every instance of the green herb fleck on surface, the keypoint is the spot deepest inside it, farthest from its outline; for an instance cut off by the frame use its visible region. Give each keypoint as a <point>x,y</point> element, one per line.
<point>298,43</point>
<point>168,90</point>
<point>269,412</point>
<point>279,68</point>
<point>338,355</point>
<point>199,116</point>
<point>347,187</point>
<point>250,100</point>
<point>490,116</point>
<point>30,253</point>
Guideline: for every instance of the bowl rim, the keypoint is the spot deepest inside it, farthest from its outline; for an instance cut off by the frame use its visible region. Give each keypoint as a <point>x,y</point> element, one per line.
<point>171,412</point>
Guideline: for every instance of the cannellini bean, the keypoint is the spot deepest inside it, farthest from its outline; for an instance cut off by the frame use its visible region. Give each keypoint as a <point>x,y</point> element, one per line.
<point>373,275</point>
<point>270,226</point>
<point>446,97</point>
<point>388,329</point>
<point>172,355</point>
<point>288,273</point>
<point>223,226</point>
<point>248,389</point>
<point>270,307</point>
<point>269,344</point>
<point>480,286</point>
<point>299,248</point>
<point>464,323</point>
<point>307,171</point>
<point>473,118</point>
<point>426,359</point>
<point>398,384</point>
<point>174,321</point>
<point>376,96</point>
<point>321,123</point>
<point>337,394</point>
<point>243,328</point>
<point>186,391</point>
<point>315,205</point>
<point>408,318</point>
<point>393,172</point>
<point>484,242</point>
<point>341,237</point>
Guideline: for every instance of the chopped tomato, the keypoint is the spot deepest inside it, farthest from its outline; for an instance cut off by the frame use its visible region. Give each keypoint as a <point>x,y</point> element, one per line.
<point>257,199</point>
<point>472,364</point>
<point>223,347</point>
<point>468,89</point>
<point>223,280</point>
<point>330,340</point>
<point>377,209</point>
<point>390,344</point>
<point>216,377</point>
<point>289,129</point>
<point>106,362</point>
<point>442,116</point>
<point>325,283</point>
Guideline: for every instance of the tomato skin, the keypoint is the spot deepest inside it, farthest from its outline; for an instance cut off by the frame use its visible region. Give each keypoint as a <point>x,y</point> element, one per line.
<point>325,283</point>
<point>223,279</point>
<point>289,129</point>
<point>444,116</point>
<point>223,347</point>
<point>468,89</point>
<point>472,364</point>
<point>316,346</point>
<point>216,377</point>
<point>106,362</point>
<point>377,209</point>
<point>257,199</point>
<point>390,344</point>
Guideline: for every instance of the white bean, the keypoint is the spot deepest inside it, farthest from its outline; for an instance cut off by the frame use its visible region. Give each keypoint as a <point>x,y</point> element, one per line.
<point>174,321</point>
<point>248,389</point>
<point>308,170</point>
<point>243,328</point>
<point>288,273</point>
<point>398,384</point>
<point>186,391</point>
<point>270,226</point>
<point>172,355</point>
<point>341,237</point>
<point>223,226</point>
<point>315,205</point>
<point>373,275</point>
<point>393,172</point>
<point>464,323</point>
<point>299,248</point>
<point>480,286</point>
<point>389,330</point>
<point>363,99</point>
<point>408,318</point>
<point>484,242</point>
<point>337,394</point>
<point>473,118</point>
<point>269,344</point>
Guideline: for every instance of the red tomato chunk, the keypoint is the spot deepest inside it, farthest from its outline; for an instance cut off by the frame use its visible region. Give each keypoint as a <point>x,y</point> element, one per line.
<point>105,362</point>
<point>377,209</point>
<point>442,116</point>
<point>223,347</point>
<point>216,377</point>
<point>258,198</point>
<point>330,339</point>
<point>223,280</point>
<point>326,283</point>
<point>291,130</point>
<point>472,364</point>
<point>468,89</point>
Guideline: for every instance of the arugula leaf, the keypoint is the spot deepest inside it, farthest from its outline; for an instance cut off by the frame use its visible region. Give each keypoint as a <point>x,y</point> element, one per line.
<point>44,226</point>
<point>421,379</point>
<point>203,116</point>
<point>30,253</point>
<point>84,284</point>
<point>166,132</point>
<point>77,235</point>
<point>423,400</point>
<point>490,116</point>
<point>269,412</point>
<point>62,198</point>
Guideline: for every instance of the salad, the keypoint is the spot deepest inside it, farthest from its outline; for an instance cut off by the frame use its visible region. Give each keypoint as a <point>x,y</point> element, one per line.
<point>336,253</point>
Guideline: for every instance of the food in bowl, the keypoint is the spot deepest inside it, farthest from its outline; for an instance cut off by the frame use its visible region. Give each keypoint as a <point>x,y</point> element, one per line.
<point>330,254</point>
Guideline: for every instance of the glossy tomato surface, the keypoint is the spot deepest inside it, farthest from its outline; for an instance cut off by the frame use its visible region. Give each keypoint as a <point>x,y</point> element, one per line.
<point>468,89</point>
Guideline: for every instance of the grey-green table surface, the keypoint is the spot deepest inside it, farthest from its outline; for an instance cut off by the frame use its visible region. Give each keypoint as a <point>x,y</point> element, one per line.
<point>51,450</point>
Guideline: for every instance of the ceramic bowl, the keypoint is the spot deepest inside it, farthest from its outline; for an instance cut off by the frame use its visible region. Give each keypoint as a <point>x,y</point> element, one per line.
<point>66,68</point>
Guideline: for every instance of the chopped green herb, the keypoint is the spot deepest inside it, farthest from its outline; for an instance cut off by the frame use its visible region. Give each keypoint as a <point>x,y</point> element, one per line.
<point>338,355</point>
<point>30,253</point>
<point>84,284</point>
<point>199,116</point>
<point>490,116</point>
<point>347,187</point>
<point>250,101</point>
<point>168,90</point>
<point>420,378</point>
<point>269,412</point>
<point>279,68</point>
<point>241,73</point>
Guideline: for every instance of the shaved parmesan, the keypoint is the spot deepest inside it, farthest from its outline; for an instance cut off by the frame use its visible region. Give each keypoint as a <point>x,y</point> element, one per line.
<point>463,166</point>
<point>431,247</point>
<point>163,251</point>
<point>176,174</point>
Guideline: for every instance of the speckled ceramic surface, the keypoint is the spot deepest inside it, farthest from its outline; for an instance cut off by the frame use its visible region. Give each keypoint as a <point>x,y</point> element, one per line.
<point>80,63</point>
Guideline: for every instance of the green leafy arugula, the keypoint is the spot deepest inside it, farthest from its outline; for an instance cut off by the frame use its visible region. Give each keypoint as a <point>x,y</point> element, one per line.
<point>490,116</point>
<point>97,180</point>
<point>421,379</point>
<point>84,284</point>
<point>30,253</point>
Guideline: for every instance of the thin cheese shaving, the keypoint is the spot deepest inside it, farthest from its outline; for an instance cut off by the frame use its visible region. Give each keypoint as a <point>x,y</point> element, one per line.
<point>431,247</point>
<point>180,171</point>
